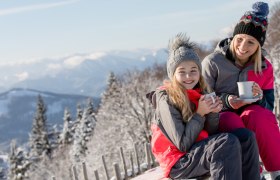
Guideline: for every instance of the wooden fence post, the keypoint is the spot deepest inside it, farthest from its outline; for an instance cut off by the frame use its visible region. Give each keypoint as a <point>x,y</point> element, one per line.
<point>117,171</point>
<point>151,155</point>
<point>148,159</point>
<point>123,162</point>
<point>74,171</point>
<point>137,158</point>
<point>85,171</point>
<point>132,165</point>
<point>105,167</point>
<point>96,175</point>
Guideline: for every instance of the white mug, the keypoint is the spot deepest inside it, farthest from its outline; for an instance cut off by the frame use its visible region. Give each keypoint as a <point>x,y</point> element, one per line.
<point>245,89</point>
<point>211,95</point>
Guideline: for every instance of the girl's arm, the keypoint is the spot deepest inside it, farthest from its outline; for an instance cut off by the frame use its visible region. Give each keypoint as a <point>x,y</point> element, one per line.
<point>182,135</point>
<point>211,123</point>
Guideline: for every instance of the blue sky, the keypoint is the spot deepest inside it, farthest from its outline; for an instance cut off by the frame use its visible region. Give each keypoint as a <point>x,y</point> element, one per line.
<point>35,29</point>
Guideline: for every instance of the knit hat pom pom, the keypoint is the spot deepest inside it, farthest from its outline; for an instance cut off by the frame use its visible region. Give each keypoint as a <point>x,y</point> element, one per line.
<point>181,40</point>
<point>260,9</point>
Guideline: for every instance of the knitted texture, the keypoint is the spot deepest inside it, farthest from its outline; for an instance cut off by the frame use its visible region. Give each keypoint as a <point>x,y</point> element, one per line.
<point>254,23</point>
<point>180,49</point>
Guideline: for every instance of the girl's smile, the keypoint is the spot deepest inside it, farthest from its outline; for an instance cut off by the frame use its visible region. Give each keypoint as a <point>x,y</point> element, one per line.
<point>187,74</point>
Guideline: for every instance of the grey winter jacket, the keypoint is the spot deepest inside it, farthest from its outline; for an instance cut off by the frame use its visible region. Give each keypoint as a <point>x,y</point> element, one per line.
<point>169,120</point>
<point>222,75</point>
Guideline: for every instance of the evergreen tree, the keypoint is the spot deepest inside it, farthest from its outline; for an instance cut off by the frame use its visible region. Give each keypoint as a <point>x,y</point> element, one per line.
<point>111,86</point>
<point>83,132</point>
<point>67,134</point>
<point>88,121</point>
<point>19,164</point>
<point>38,141</point>
<point>53,137</point>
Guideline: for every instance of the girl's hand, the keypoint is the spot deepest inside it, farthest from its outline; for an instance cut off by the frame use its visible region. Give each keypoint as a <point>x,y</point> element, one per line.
<point>257,91</point>
<point>217,106</point>
<point>204,106</point>
<point>236,103</point>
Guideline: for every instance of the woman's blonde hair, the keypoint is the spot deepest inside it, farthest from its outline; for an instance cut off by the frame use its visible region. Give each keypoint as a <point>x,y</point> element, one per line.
<point>177,95</point>
<point>256,57</point>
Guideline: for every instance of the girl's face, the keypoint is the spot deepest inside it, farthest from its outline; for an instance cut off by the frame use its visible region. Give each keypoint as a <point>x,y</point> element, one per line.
<point>187,74</point>
<point>245,46</point>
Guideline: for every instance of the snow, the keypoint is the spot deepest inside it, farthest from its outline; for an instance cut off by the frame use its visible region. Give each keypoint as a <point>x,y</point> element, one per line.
<point>152,174</point>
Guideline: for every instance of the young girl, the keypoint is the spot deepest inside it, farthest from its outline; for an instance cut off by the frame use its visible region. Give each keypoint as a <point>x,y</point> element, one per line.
<point>240,58</point>
<point>185,122</point>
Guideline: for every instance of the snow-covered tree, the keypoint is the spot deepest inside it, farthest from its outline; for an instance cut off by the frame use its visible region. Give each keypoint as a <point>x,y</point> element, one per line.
<point>38,140</point>
<point>272,42</point>
<point>125,114</point>
<point>83,132</point>
<point>66,136</point>
<point>53,137</point>
<point>111,86</point>
<point>2,173</point>
<point>137,109</point>
<point>88,121</point>
<point>19,163</point>
<point>79,117</point>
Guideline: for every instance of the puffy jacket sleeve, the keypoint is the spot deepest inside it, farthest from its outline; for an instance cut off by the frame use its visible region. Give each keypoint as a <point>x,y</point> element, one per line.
<point>212,123</point>
<point>182,135</point>
<point>210,74</point>
<point>209,71</point>
<point>268,88</point>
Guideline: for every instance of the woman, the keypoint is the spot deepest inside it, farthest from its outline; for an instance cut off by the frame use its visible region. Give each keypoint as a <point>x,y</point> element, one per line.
<point>240,58</point>
<point>184,139</point>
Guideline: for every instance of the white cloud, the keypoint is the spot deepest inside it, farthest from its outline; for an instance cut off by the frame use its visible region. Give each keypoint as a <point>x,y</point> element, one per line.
<point>96,55</point>
<point>74,61</point>
<point>143,58</point>
<point>34,7</point>
<point>22,76</point>
<point>54,66</point>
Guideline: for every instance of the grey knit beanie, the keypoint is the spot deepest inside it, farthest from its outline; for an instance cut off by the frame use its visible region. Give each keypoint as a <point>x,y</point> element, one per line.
<point>180,49</point>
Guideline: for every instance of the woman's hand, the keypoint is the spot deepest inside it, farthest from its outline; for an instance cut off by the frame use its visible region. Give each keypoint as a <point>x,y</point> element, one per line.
<point>257,91</point>
<point>217,106</point>
<point>235,102</point>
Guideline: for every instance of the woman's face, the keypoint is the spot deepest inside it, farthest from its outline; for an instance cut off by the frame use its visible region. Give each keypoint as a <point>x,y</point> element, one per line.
<point>187,74</point>
<point>245,46</point>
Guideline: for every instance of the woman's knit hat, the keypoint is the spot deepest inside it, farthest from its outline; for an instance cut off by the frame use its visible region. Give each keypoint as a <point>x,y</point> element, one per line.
<point>254,23</point>
<point>180,49</point>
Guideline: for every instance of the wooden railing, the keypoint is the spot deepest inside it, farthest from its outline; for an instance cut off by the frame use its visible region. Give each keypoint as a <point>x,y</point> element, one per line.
<point>135,168</point>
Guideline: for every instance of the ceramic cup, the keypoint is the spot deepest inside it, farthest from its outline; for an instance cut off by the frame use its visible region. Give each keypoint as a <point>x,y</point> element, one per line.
<point>245,89</point>
<point>211,95</point>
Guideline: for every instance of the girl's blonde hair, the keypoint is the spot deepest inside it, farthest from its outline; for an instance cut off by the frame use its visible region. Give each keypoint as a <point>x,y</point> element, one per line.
<point>177,95</point>
<point>256,57</point>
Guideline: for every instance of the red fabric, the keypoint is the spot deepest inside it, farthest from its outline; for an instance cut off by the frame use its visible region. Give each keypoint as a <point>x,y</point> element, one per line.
<point>164,150</point>
<point>194,96</point>
<point>265,83</point>
<point>263,123</point>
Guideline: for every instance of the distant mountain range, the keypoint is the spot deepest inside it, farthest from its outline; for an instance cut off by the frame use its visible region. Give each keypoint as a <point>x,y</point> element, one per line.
<point>18,107</point>
<point>62,82</point>
<point>83,74</point>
